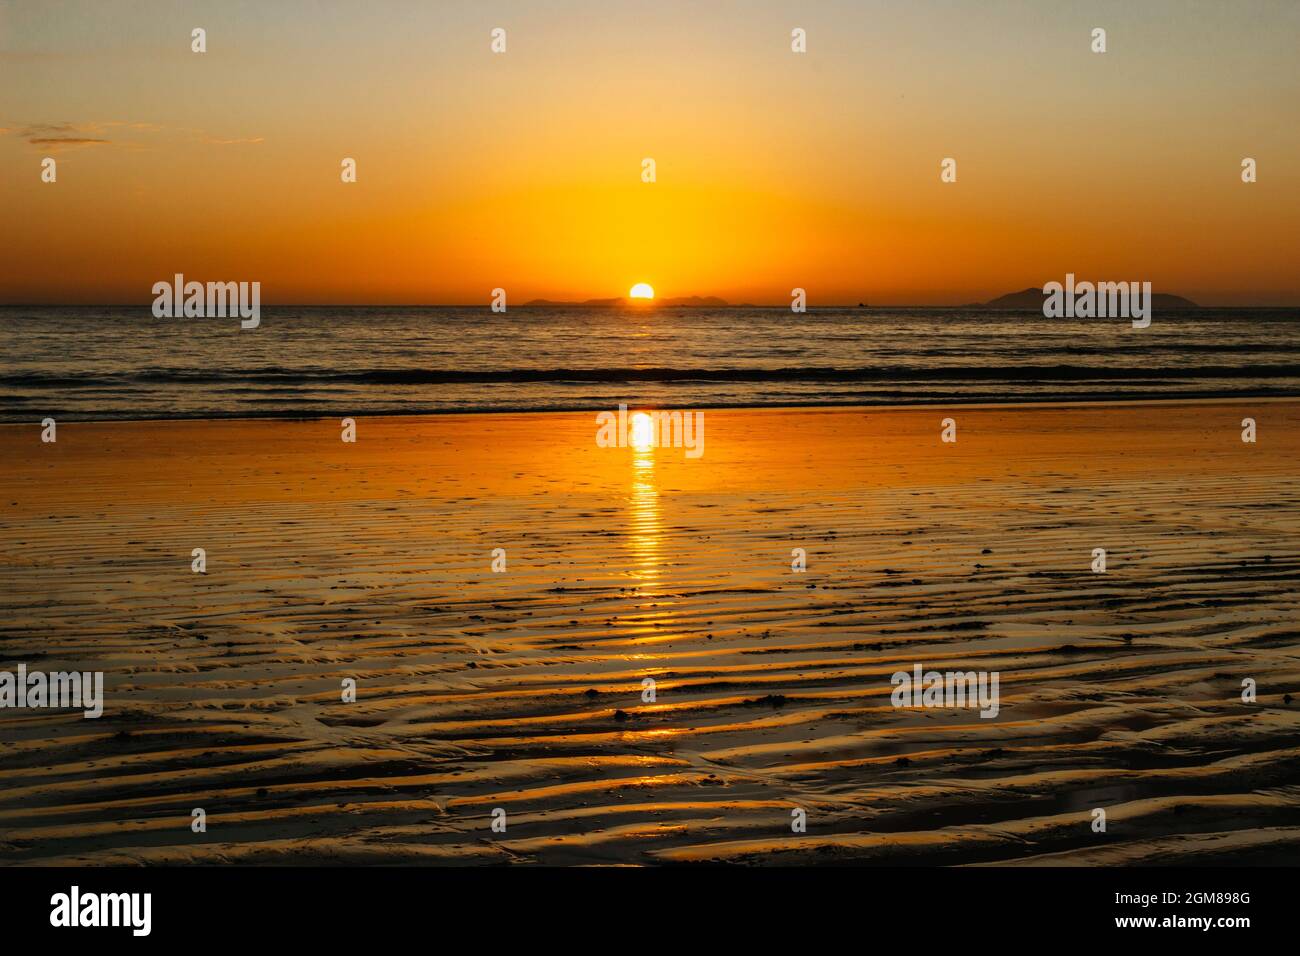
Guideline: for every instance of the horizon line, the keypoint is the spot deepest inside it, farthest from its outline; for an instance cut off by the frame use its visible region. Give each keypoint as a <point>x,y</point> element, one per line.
<point>639,305</point>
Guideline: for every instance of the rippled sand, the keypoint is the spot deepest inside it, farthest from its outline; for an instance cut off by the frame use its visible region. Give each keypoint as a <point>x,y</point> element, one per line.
<point>523,690</point>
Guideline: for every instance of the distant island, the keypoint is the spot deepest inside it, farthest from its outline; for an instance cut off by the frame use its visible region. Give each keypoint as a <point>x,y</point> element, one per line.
<point>1032,299</point>
<point>681,301</point>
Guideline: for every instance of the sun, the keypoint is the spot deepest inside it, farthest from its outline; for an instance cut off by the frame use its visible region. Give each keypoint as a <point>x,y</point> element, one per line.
<point>641,290</point>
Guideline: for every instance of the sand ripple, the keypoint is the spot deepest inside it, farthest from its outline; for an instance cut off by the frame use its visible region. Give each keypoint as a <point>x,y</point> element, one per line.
<point>522,690</point>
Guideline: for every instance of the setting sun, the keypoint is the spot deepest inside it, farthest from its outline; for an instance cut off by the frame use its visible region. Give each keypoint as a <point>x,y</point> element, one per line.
<point>642,290</point>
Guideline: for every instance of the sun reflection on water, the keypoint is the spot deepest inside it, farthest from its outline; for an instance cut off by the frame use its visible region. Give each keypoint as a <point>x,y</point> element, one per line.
<point>644,519</point>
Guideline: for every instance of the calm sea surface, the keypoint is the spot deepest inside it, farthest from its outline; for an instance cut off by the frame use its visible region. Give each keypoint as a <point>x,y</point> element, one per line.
<point>121,362</point>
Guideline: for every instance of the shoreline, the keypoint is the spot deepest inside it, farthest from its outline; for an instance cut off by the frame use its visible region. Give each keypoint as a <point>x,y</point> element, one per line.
<point>1108,401</point>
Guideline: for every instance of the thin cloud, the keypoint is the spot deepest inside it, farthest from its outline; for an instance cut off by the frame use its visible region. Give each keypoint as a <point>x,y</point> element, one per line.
<point>59,129</point>
<point>125,135</point>
<point>66,141</point>
<point>58,136</point>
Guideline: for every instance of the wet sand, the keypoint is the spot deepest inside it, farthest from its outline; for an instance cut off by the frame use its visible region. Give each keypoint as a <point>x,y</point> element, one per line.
<point>522,690</point>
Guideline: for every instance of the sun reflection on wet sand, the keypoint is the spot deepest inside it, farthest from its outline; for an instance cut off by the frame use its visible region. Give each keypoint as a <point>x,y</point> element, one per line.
<point>644,520</point>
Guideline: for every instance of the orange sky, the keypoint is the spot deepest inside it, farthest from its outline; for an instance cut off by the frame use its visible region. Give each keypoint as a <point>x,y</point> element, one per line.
<point>774,170</point>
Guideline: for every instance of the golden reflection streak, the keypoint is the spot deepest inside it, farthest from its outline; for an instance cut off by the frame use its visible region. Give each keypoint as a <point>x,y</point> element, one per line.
<point>644,520</point>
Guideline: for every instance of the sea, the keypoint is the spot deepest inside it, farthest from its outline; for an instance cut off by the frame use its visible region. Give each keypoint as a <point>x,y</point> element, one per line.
<point>120,362</point>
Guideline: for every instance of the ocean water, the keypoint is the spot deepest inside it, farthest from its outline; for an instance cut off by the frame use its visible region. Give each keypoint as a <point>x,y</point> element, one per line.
<point>84,363</point>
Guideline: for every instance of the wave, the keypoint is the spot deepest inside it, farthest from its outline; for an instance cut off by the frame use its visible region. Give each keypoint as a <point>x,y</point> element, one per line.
<point>891,374</point>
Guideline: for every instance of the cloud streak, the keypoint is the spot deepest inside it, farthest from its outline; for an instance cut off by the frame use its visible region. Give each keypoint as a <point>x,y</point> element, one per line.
<point>55,136</point>
<point>66,141</point>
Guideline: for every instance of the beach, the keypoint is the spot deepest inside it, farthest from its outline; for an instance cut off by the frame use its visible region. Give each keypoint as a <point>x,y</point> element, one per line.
<point>522,690</point>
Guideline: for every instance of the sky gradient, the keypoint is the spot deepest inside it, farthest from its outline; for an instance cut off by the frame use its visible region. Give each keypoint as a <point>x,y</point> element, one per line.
<point>523,170</point>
